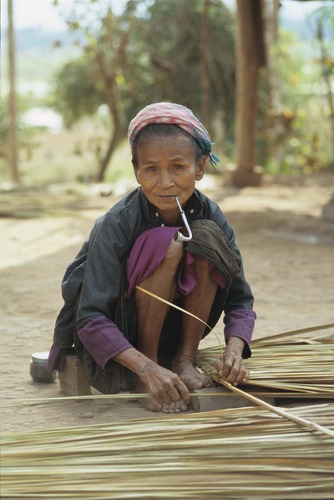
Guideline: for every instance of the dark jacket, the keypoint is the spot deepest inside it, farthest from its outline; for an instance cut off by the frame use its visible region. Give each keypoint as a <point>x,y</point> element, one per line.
<point>97,273</point>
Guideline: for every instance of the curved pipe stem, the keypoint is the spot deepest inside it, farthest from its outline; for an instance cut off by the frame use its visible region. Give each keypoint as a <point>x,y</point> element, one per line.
<point>179,236</point>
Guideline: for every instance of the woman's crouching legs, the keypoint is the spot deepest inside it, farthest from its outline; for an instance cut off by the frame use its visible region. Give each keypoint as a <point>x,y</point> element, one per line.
<point>151,311</point>
<point>199,302</point>
<point>151,316</point>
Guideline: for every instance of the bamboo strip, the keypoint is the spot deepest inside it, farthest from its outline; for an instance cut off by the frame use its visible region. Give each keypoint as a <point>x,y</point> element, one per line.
<point>41,401</point>
<point>172,305</point>
<point>278,411</point>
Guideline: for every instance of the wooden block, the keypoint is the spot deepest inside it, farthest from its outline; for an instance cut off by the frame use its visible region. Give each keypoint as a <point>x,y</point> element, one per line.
<point>73,381</point>
<point>209,399</point>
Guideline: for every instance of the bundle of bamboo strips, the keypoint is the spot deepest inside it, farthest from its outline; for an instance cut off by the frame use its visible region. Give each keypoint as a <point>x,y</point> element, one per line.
<point>245,453</point>
<point>287,362</point>
<point>302,335</point>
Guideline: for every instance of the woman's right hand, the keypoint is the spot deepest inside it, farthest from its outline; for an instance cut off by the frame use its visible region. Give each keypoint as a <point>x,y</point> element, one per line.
<point>165,386</point>
<point>169,393</point>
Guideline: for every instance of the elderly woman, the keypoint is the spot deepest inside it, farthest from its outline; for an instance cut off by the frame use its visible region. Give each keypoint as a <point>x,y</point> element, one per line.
<point>131,294</point>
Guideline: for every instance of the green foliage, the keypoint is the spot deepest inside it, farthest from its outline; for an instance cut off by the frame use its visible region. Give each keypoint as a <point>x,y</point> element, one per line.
<point>295,137</point>
<point>76,92</point>
<point>152,51</point>
<point>149,58</point>
<point>174,53</point>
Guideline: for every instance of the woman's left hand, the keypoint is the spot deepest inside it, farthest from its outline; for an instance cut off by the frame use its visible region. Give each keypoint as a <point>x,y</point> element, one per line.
<point>230,365</point>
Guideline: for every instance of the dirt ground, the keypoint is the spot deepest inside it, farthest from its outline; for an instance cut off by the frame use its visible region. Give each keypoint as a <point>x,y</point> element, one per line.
<point>288,251</point>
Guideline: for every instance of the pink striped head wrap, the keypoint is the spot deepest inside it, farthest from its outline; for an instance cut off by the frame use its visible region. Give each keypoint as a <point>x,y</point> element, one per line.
<point>173,114</point>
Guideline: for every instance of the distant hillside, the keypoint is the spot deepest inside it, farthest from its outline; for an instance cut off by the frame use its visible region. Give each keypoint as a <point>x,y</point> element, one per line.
<point>41,52</point>
<point>38,41</point>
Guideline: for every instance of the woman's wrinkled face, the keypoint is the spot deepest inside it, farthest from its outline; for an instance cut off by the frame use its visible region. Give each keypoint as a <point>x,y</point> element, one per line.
<point>167,167</point>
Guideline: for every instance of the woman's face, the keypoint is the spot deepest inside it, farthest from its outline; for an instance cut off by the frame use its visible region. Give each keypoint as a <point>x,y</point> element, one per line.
<point>167,167</point>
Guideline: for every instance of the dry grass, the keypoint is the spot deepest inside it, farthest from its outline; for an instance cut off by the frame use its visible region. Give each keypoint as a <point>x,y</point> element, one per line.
<point>70,156</point>
<point>246,453</point>
<point>240,453</point>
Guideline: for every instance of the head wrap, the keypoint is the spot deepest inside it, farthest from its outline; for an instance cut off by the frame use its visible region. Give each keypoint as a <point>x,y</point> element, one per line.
<point>173,114</point>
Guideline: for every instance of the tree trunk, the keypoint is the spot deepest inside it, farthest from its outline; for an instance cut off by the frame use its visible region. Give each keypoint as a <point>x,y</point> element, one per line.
<point>116,115</point>
<point>274,132</point>
<point>205,76</point>
<point>327,79</point>
<point>104,162</point>
<point>12,121</point>
<point>250,56</point>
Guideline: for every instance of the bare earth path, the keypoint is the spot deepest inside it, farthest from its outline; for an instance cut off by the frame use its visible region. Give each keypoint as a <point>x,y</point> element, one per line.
<point>288,251</point>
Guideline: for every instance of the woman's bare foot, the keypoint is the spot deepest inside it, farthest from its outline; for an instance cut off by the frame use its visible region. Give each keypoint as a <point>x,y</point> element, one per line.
<point>151,404</point>
<point>190,376</point>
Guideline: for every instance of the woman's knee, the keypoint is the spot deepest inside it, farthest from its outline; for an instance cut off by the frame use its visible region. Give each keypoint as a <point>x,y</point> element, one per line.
<point>174,254</point>
<point>202,267</point>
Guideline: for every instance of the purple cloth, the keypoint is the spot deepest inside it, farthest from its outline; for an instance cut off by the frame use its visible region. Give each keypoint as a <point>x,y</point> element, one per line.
<point>240,323</point>
<point>56,359</point>
<point>148,252</point>
<point>103,339</point>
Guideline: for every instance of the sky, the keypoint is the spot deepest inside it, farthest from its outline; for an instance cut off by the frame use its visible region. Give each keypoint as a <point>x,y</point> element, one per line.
<point>42,14</point>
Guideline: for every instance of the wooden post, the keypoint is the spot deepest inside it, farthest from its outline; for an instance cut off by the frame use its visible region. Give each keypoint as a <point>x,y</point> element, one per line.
<point>250,56</point>
<point>205,78</point>
<point>12,123</point>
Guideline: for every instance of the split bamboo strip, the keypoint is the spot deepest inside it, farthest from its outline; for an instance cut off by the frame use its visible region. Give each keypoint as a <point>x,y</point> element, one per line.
<point>126,395</point>
<point>246,453</point>
<point>172,305</point>
<point>279,411</point>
